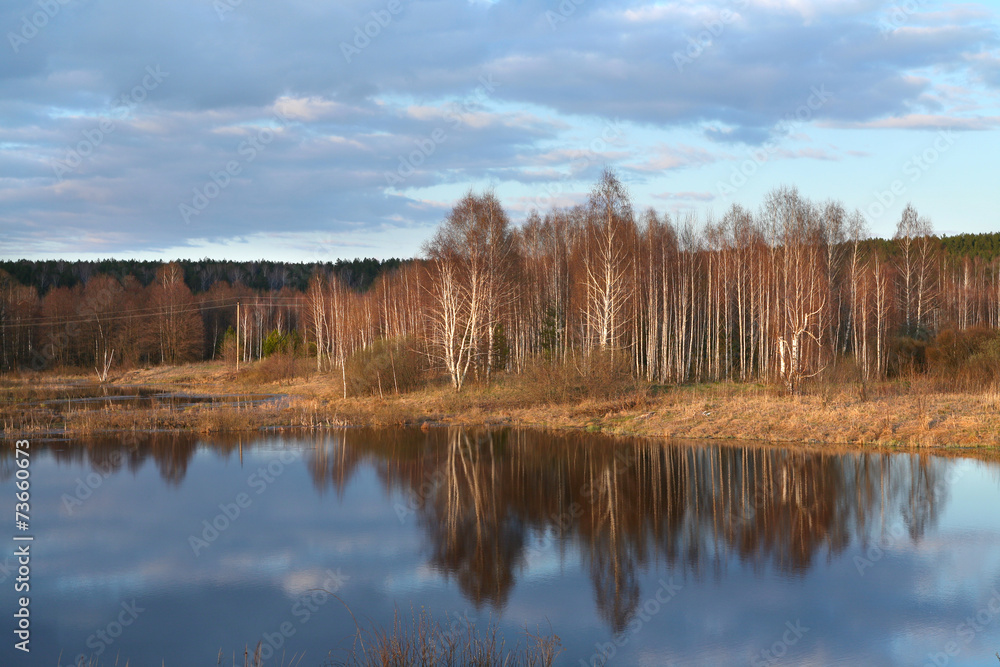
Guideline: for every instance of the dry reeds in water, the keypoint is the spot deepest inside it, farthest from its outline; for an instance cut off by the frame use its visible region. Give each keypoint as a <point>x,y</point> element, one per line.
<point>423,642</point>
<point>256,658</point>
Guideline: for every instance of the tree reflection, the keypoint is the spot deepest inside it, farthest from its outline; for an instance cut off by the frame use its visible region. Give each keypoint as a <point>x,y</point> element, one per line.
<point>490,501</point>
<point>170,452</point>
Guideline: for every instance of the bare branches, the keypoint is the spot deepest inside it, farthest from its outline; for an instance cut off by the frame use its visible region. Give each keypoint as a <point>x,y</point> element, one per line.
<point>777,295</point>
<point>472,259</point>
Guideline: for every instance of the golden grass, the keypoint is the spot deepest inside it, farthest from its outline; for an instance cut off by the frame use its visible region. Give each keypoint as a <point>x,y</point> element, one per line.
<point>902,414</point>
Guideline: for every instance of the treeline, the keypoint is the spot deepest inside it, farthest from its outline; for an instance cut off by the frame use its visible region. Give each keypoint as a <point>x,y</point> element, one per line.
<point>199,275</point>
<point>985,246</point>
<point>786,292</point>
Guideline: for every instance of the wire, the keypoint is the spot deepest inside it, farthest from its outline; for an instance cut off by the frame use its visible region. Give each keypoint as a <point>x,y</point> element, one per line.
<point>229,302</point>
<point>48,319</point>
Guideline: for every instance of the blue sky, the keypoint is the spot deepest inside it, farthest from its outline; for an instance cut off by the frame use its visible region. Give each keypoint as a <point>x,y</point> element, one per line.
<point>308,130</point>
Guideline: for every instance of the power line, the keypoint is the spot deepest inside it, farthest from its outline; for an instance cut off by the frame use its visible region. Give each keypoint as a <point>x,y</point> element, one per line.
<point>153,312</point>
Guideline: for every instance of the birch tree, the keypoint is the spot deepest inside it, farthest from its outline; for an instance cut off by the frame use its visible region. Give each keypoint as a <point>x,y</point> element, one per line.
<point>471,258</point>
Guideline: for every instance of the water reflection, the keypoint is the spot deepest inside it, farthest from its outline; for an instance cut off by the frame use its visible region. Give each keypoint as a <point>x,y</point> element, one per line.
<point>498,511</point>
<point>488,500</point>
<point>108,455</point>
<point>87,396</point>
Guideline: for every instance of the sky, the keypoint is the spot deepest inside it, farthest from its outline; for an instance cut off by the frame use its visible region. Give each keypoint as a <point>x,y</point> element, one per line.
<point>307,130</point>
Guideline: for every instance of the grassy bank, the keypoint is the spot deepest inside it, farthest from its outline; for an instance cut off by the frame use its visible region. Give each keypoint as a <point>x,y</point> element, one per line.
<point>888,414</point>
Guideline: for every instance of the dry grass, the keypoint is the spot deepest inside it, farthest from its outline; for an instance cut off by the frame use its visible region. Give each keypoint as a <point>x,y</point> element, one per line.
<point>256,658</point>
<point>423,642</point>
<point>914,413</point>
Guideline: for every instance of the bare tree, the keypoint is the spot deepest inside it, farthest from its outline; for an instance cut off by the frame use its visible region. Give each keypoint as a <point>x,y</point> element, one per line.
<point>607,263</point>
<point>471,258</point>
<point>915,268</point>
<point>804,291</point>
<point>178,322</point>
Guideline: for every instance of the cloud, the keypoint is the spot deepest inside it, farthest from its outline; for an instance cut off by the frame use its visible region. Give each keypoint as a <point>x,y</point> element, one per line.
<point>313,109</point>
<point>923,122</point>
<point>986,67</point>
<point>675,157</point>
<point>443,96</point>
<point>731,135</point>
<point>685,196</point>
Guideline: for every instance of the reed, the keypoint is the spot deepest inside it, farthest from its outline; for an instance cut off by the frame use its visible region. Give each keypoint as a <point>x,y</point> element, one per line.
<point>919,411</point>
<point>255,658</point>
<point>421,641</point>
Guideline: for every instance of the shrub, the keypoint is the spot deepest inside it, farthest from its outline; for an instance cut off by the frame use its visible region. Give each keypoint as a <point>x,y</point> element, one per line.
<point>907,356</point>
<point>287,342</point>
<point>967,358</point>
<point>275,368</point>
<point>953,348</point>
<point>599,375</point>
<point>387,366</point>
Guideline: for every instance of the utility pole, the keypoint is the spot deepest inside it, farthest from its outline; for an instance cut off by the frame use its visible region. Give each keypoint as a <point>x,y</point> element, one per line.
<point>237,336</point>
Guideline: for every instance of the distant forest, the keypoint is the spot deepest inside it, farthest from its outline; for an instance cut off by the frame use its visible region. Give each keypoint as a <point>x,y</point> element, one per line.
<point>199,275</point>
<point>358,274</point>
<point>791,291</point>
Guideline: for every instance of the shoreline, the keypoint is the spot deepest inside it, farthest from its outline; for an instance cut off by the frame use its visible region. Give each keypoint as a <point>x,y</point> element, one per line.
<point>888,415</point>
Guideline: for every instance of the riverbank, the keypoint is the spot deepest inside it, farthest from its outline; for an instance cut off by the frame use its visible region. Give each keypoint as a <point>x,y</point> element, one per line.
<point>887,414</point>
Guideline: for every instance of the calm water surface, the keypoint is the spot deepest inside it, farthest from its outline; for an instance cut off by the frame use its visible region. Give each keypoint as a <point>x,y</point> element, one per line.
<point>650,553</point>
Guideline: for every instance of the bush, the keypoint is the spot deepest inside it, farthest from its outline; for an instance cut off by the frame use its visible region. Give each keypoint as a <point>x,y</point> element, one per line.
<point>275,368</point>
<point>954,348</point>
<point>227,346</point>
<point>907,356</point>
<point>600,375</point>
<point>386,366</point>
<point>967,358</point>
<point>288,342</point>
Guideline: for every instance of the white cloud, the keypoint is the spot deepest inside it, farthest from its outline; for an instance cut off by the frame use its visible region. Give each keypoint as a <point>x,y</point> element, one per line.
<point>922,122</point>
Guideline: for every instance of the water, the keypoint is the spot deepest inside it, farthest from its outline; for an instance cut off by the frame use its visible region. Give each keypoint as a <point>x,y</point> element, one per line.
<point>84,396</point>
<point>658,553</point>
